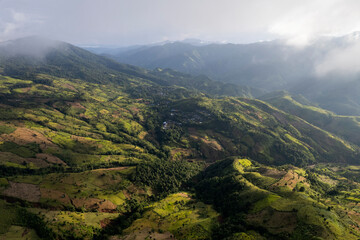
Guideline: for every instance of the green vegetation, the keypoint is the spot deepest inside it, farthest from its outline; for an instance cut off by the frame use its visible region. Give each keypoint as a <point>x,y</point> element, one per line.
<point>165,177</point>
<point>177,215</point>
<point>18,223</point>
<point>277,210</point>
<point>347,127</point>
<point>91,149</point>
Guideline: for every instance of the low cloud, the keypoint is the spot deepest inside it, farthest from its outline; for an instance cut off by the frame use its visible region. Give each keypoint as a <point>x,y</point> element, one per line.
<point>340,61</point>
<point>34,46</point>
<point>129,22</point>
<point>14,22</point>
<point>311,19</point>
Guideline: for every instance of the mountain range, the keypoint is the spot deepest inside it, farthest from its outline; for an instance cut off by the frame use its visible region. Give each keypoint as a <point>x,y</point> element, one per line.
<point>314,70</point>
<point>95,149</point>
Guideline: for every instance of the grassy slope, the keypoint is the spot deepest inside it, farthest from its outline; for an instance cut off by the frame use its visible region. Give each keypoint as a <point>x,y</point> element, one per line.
<point>347,127</point>
<point>83,124</point>
<point>179,214</point>
<point>238,126</point>
<point>283,202</point>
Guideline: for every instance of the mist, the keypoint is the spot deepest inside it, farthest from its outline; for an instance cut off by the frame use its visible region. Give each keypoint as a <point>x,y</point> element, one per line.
<point>125,22</point>
<point>128,23</point>
<point>341,61</point>
<point>33,46</point>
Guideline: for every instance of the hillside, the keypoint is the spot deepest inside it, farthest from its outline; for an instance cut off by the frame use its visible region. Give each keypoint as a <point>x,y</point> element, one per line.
<point>93,149</point>
<point>346,127</point>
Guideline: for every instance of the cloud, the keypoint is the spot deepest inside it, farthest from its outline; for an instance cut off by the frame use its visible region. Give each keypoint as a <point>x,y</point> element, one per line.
<point>129,22</point>
<point>314,18</point>
<point>341,61</point>
<point>14,23</point>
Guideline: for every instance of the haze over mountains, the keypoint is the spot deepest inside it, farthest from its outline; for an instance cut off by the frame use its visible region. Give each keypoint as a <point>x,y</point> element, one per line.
<point>324,71</point>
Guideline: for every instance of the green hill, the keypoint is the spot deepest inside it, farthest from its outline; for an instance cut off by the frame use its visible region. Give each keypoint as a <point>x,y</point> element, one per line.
<point>279,203</point>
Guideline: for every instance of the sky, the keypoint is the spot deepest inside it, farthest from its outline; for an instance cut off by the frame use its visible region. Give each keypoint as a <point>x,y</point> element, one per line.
<point>131,22</point>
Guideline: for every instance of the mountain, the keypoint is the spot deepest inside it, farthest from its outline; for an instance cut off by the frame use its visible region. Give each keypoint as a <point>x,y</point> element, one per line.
<point>270,66</point>
<point>112,50</point>
<point>94,149</point>
<point>52,57</point>
<point>257,65</point>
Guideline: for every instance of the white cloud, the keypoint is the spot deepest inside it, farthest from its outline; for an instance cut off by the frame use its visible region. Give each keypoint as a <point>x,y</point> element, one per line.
<point>340,61</point>
<point>128,22</point>
<point>311,19</point>
<point>14,23</point>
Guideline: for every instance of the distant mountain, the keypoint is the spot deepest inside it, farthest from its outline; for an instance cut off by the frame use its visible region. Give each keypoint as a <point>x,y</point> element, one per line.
<point>258,65</point>
<point>104,50</point>
<point>34,55</point>
<point>269,66</point>
<point>108,50</point>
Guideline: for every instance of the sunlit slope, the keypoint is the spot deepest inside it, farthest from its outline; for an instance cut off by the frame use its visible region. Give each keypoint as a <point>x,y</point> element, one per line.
<point>348,127</point>
<point>216,128</point>
<point>279,203</point>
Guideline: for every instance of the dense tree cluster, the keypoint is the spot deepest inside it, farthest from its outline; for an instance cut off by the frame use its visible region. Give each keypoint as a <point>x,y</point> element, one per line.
<point>166,176</point>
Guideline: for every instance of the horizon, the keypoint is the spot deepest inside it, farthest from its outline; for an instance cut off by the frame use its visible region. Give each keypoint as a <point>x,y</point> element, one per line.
<point>128,23</point>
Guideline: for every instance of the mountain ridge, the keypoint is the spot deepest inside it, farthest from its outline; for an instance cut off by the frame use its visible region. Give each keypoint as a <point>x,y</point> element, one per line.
<point>269,66</point>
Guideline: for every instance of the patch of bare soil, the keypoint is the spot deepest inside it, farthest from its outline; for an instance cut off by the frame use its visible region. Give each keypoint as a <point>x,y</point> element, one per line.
<point>94,203</point>
<point>56,195</point>
<point>37,162</point>
<point>142,134</point>
<point>271,172</point>
<point>42,160</point>
<point>105,222</point>
<point>134,110</point>
<point>23,136</point>
<point>274,221</point>
<point>210,142</point>
<point>328,180</point>
<point>76,105</point>
<point>145,233</point>
<point>24,191</point>
<point>69,86</point>
<point>13,158</point>
<point>86,141</point>
<point>183,194</point>
<point>213,143</point>
<point>109,169</point>
<point>181,153</point>
<point>135,190</point>
<point>290,179</point>
<point>50,159</point>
